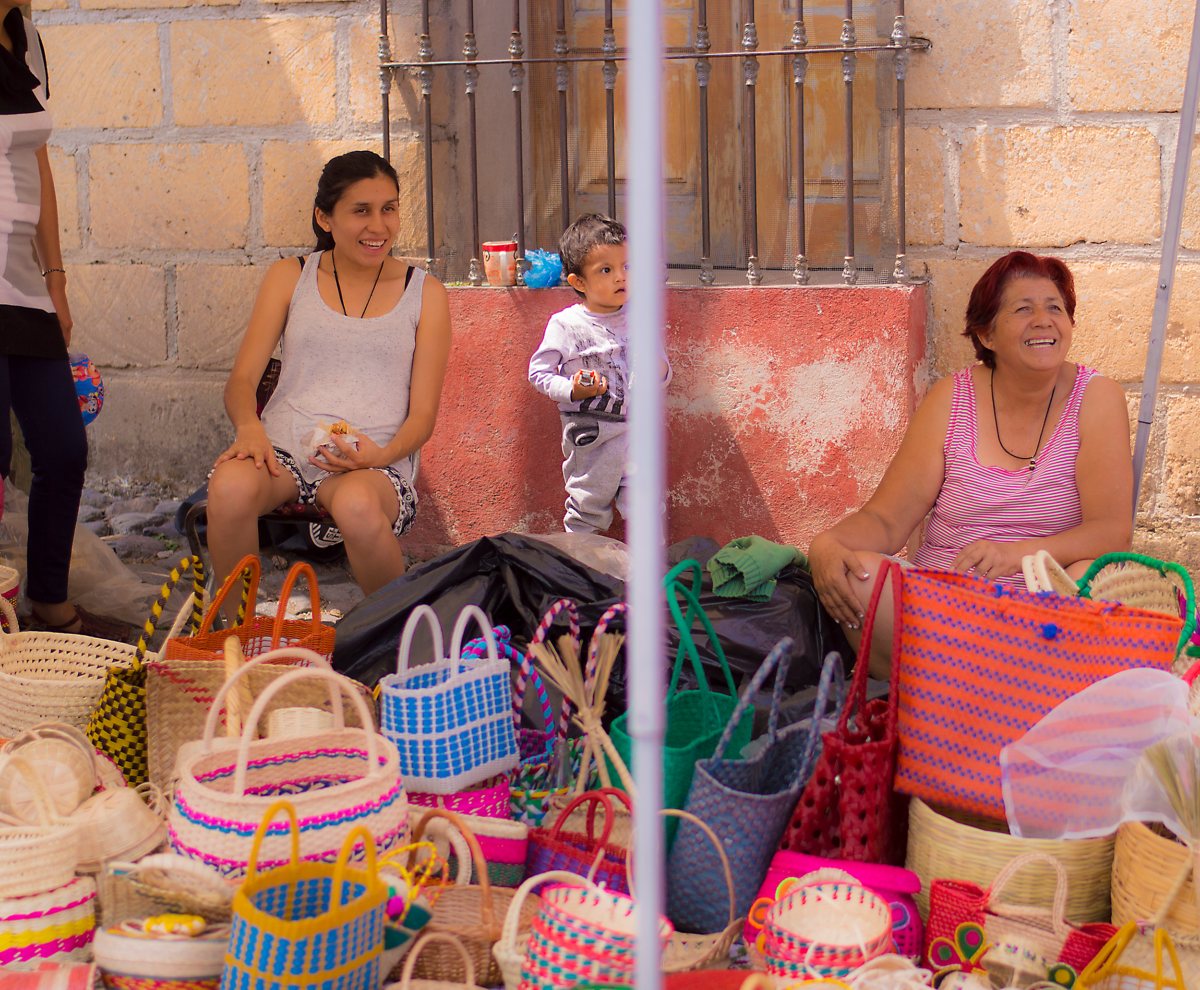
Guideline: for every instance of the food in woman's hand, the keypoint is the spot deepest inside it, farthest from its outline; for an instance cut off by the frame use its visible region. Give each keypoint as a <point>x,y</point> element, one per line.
<point>323,434</point>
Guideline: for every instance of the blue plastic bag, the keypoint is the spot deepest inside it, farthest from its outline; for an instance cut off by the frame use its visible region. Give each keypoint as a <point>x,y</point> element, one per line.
<point>545,269</point>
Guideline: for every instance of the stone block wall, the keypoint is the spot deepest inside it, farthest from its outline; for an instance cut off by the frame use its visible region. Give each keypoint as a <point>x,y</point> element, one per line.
<point>190,133</point>
<point>1051,125</point>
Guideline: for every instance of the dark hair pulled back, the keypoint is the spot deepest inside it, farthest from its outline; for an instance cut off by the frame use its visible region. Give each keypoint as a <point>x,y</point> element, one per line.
<point>337,176</point>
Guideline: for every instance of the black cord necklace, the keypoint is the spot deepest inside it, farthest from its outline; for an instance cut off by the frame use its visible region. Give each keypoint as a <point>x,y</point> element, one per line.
<point>338,283</point>
<point>1032,459</point>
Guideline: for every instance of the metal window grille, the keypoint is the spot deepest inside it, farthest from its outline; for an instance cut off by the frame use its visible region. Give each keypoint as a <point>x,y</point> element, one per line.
<point>824,213</point>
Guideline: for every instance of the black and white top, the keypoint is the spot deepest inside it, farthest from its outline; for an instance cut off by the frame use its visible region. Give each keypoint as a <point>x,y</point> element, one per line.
<point>28,325</point>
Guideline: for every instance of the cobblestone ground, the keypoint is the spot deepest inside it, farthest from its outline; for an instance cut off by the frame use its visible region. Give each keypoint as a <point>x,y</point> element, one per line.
<point>137,521</point>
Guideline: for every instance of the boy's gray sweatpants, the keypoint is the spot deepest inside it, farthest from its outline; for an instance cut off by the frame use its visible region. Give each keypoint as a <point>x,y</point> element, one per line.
<point>594,471</point>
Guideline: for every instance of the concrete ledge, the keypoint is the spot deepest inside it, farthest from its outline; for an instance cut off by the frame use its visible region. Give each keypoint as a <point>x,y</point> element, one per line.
<point>786,406</point>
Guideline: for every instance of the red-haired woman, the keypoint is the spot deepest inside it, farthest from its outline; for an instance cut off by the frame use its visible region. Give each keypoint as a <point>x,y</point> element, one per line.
<point>1021,452</point>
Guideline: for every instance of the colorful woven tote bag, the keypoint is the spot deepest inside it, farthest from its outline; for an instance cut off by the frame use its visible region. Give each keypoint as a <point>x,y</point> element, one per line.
<point>696,719</point>
<point>338,780</point>
<point>305,925</point>
<point>981,663</point>
<point>256,633</point>
<point>747,803</point>
<point>117,726</point>
<point>450,719</point>
<point>847,809</point>
<point>183,680</point>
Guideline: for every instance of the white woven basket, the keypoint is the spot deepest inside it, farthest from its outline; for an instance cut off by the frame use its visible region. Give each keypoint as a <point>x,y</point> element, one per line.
<point>40,857</point>
<point>119,824</point>
<point>128,950</point>
<point>62,759</point>
<point>52,677</point>
<point>52,926</point>
<point>337,780</point>
<point>451,720</point>
<point>293,722</point>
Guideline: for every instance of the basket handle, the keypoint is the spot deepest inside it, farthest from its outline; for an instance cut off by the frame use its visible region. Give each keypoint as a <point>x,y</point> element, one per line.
<point>260,833</point>
<point>561,606</point>
<point>218,702</point>
<point>358,834</point>
<point>468,613</point>
<point>190,609</point>
<point>1059,907</point>
<point>410,961</point>
<point>300,569</point>
<point>12,625</point>
<point>594,799</point>
<point>687,645</point>
<point>687,816</point>
<point>419,614</point>
<point>777,662</point>
<point>857,696</point>
<point>41,799</point>
<point>337,682</point>
<point>477,858</point>
<point>249,569</point>
<point>512,918</point>
<point>1163,567</point>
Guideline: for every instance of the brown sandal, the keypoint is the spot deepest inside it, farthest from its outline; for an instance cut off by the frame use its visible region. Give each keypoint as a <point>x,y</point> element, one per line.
<point>86,623</point>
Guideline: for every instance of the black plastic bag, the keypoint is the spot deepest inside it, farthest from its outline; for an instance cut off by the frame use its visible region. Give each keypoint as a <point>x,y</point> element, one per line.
<point>514,579</point>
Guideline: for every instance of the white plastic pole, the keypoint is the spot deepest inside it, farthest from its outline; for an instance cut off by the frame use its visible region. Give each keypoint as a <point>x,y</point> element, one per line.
<point>647,642</point>
<point>1170,252</point>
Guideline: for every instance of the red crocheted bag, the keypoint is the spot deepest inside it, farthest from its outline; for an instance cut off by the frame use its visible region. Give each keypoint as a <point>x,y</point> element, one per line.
<point>847,810</point>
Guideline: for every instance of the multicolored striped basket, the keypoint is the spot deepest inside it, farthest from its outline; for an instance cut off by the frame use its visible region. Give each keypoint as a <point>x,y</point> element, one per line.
<point>339,781</point>
<point>307,925</point>
<point>490,799</point>
<point>450,719</point>
<point>55,926</point>
<point>979,664</point>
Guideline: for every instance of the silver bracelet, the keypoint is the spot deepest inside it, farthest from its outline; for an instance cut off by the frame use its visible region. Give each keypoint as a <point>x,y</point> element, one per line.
<point>49,270</point>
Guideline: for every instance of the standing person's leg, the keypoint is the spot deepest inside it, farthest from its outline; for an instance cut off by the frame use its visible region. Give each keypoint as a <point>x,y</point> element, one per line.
<point>6,441</point>
<point>42,393</point>
<point>592,472</point>
<point>365,505</point>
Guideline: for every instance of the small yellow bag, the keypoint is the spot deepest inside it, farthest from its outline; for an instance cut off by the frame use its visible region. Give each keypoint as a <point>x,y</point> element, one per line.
<point>1106,971</point>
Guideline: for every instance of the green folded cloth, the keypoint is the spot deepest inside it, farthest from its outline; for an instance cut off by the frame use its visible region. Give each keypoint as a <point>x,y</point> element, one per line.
<point>747,567</point>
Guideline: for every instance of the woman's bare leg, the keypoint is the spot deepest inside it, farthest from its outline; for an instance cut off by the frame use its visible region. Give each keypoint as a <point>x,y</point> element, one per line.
<point>238,493</point>
<point>881,638</point>
<point>364,507</point>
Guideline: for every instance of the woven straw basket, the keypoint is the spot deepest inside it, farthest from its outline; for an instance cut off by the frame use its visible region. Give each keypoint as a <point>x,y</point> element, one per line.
<point>510,950</point>
<point>1151,880</point>
<point>64,763</point>
<point>406,974</point>
<point>35,858</point>
<point>164,883</point>
<point>1044,573</point>
<point>129,956</point>
<point>52,677</point>
<point>472,913</point>
<point>955,846</point>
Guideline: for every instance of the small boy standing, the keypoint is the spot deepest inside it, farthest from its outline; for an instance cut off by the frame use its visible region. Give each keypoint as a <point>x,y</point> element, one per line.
<point>582,364</point>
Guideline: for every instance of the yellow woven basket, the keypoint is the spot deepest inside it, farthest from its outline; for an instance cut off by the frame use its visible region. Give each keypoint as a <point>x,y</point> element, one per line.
<point>945,844</point>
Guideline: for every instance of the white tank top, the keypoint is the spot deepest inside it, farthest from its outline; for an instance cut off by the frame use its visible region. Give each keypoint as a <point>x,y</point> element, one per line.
<point>342,367</point>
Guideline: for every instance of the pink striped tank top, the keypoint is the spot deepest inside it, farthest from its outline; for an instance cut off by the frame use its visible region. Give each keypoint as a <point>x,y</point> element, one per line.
<point>980,502</point>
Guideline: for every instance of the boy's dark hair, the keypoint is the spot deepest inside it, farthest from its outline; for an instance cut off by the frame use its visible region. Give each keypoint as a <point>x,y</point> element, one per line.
<point>588,231</point>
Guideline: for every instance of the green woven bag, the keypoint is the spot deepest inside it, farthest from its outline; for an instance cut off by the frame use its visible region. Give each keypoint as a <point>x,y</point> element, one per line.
<point>697,718</point>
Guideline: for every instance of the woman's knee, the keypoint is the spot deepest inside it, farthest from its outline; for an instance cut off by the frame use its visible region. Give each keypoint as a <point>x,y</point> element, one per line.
<point>237,489</point>
<point>359,513</point>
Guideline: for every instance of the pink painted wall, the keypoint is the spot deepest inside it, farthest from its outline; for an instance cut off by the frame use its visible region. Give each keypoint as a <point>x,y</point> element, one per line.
<point>786,405</point>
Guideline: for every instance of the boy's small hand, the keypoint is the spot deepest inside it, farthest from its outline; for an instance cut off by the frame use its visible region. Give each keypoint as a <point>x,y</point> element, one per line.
<point>581,390</point>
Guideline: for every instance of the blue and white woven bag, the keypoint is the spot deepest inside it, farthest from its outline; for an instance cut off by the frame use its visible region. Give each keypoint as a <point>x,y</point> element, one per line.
<point>450,719</point>
<point>305,925</point>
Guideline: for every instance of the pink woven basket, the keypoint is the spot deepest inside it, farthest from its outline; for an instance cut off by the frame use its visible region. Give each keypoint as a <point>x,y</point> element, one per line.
<point>488,800</point>
<point>829,925</point>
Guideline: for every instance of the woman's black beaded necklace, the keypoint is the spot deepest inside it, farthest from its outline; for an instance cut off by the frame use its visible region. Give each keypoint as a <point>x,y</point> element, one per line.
<point>1045,419</point>
<point>338,283</point>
